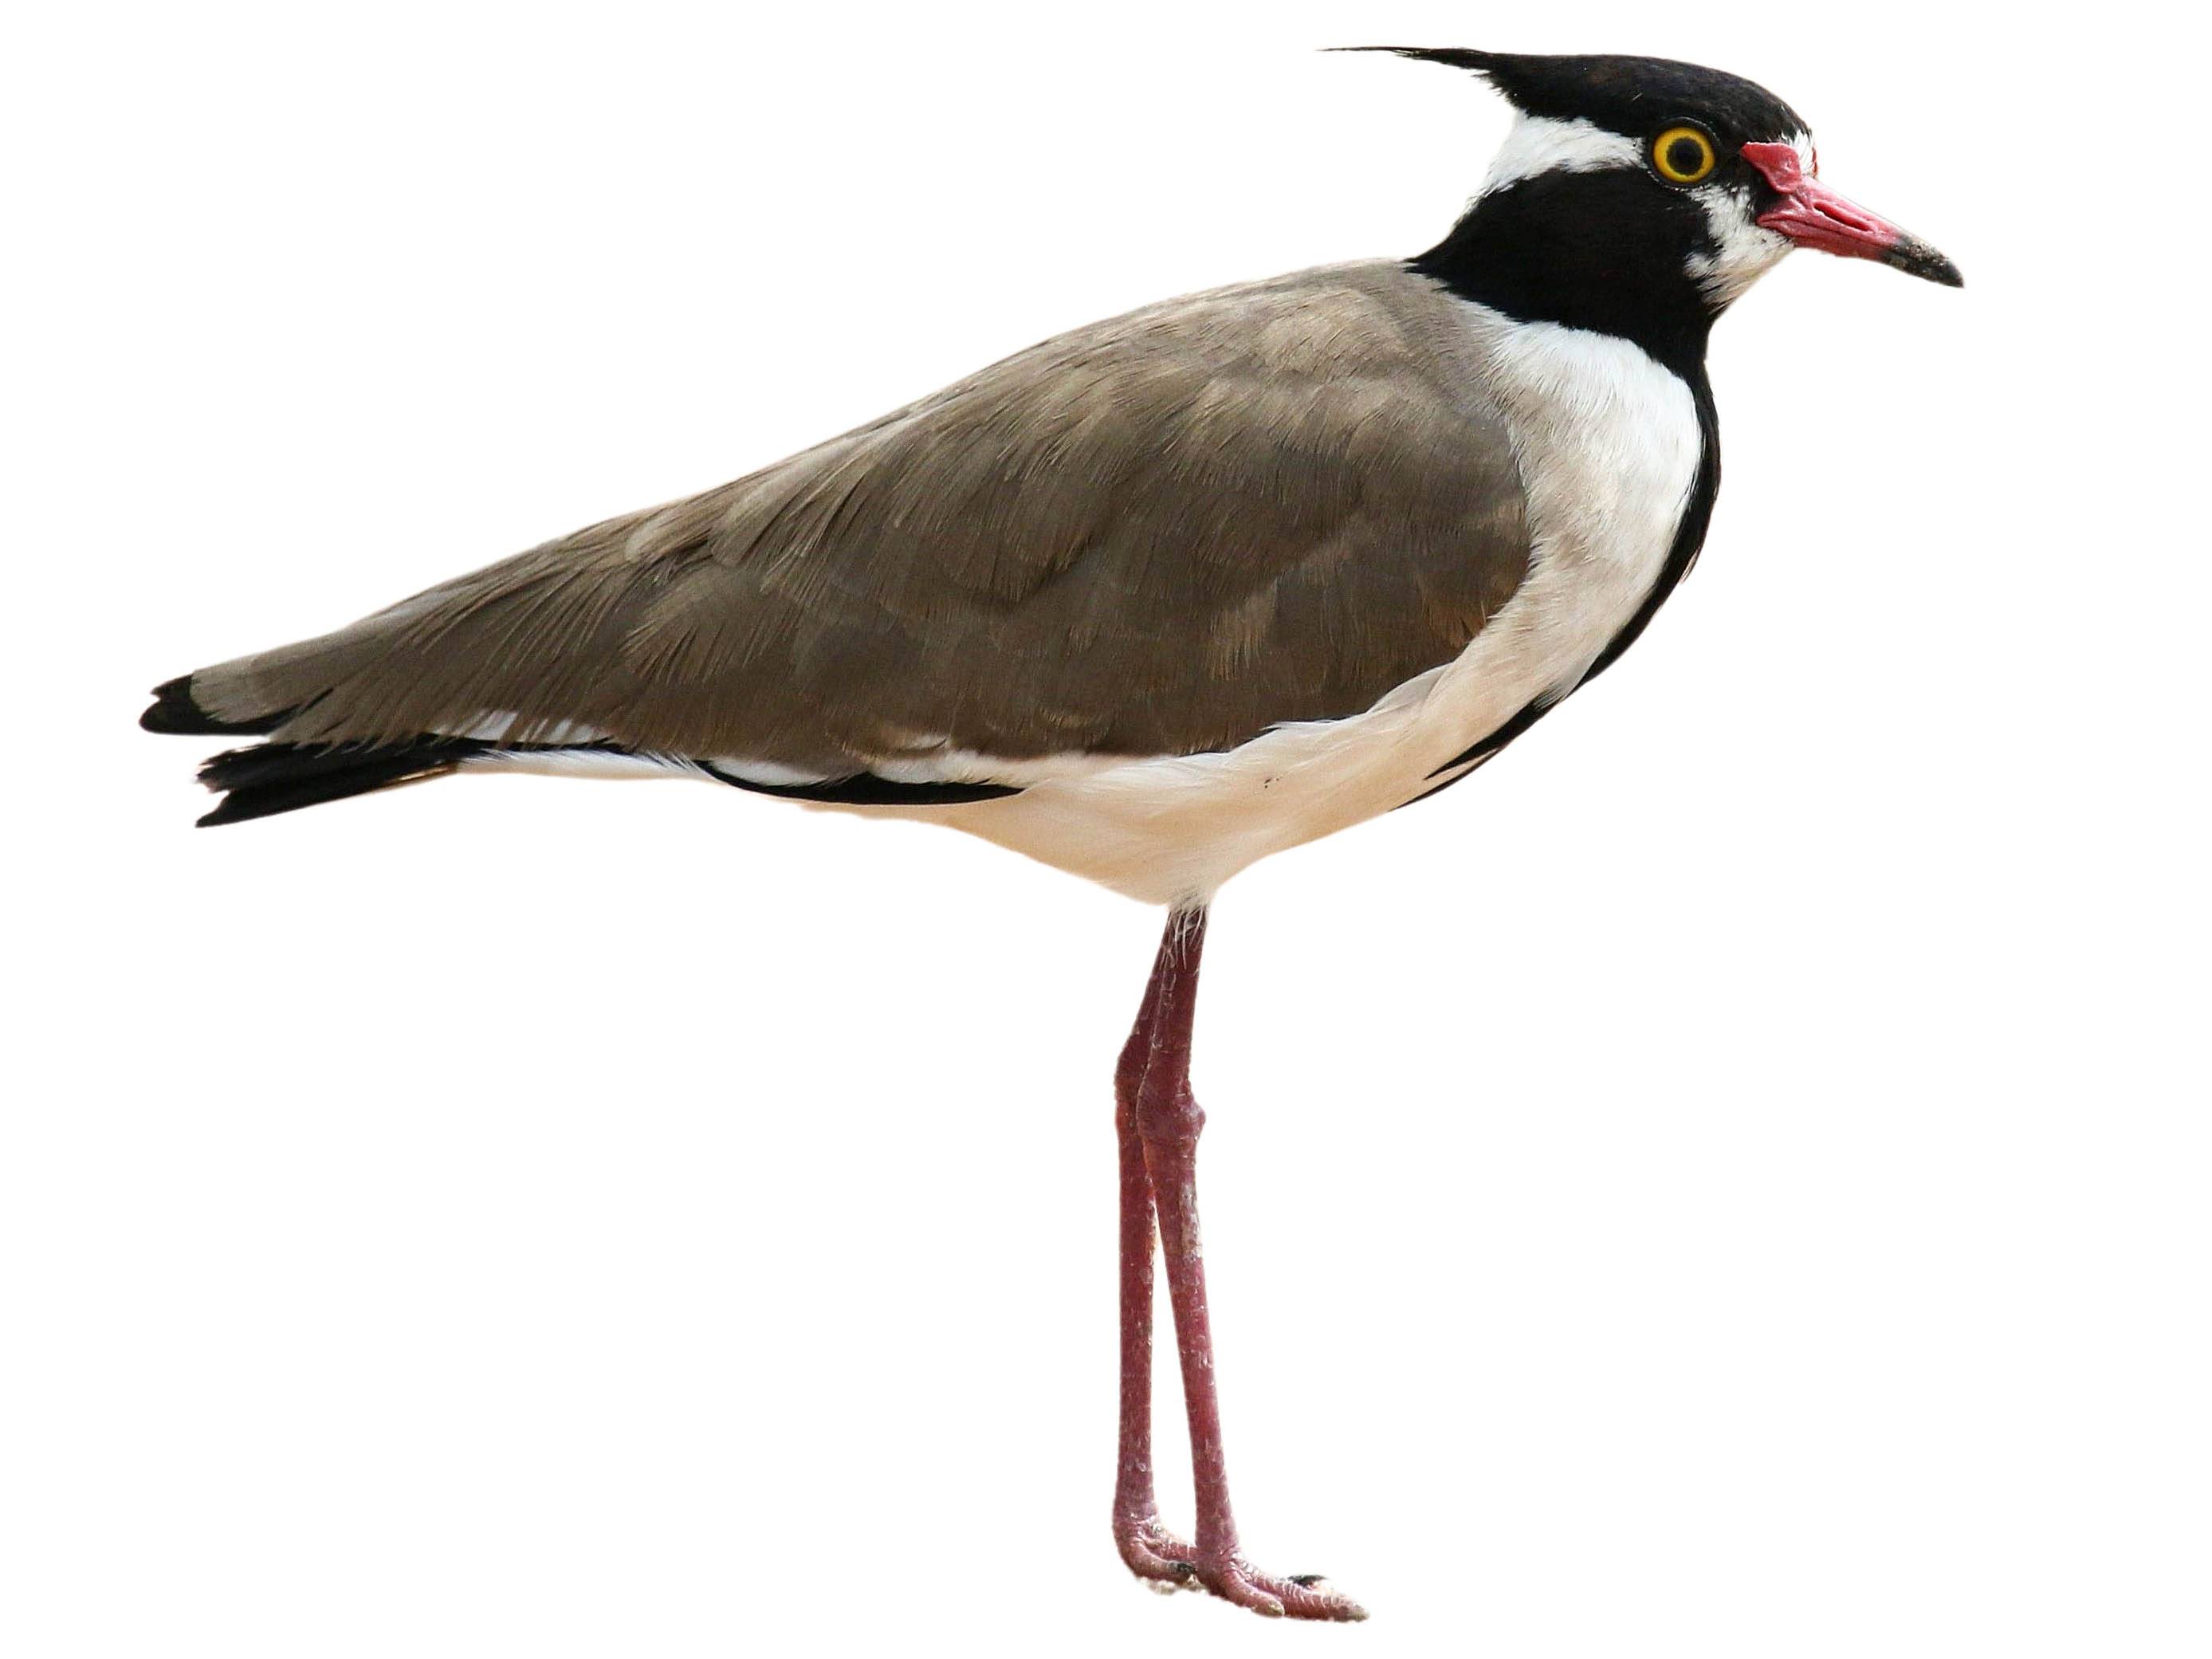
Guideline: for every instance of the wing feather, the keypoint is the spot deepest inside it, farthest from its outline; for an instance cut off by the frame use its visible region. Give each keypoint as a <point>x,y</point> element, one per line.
<point>1158,535</point>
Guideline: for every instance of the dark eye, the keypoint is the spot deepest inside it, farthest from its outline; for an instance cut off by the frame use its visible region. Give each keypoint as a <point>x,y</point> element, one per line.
<point>1682,155</point>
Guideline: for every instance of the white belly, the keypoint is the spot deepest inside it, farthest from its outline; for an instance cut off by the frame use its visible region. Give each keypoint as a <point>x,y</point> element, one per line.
<point>1609,447</point>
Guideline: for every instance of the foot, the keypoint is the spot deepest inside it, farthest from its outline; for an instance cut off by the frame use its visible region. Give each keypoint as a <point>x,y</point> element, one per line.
<point>1306,1595</point>
<point>1166,1563</point>
<point>1154,1554</point>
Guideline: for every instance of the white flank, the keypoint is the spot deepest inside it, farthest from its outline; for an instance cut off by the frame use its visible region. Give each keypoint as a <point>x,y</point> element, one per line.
<point>580,763</point>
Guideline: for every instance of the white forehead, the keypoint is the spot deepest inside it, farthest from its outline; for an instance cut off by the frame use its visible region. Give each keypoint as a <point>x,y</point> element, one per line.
<point>1541,143</point>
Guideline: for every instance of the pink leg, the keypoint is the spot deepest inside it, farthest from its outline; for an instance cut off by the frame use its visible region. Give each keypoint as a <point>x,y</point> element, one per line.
<point>1150,1551</point>
<point>1168,1123</point>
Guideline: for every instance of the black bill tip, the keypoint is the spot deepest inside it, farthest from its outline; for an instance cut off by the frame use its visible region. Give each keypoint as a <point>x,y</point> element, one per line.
<point>1915,259</point>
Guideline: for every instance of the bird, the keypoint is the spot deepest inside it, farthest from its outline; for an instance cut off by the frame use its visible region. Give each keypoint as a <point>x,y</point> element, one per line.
<point>1153,599</point>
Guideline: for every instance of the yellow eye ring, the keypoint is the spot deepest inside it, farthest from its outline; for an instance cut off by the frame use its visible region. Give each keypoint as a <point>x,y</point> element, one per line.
<point>1683,156</point>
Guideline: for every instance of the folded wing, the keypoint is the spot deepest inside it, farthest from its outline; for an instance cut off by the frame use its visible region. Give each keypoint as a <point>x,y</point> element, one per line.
<point>1159,535</point>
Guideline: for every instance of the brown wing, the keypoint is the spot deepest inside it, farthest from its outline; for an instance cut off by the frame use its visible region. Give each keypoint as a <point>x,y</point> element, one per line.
<point>1158,535</point>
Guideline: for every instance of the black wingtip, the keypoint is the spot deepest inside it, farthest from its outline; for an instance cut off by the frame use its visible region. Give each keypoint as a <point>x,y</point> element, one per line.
<point>175,714</point>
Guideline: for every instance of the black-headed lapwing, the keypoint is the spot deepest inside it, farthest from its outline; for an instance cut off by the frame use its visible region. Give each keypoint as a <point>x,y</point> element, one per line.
<point>1153,599</point>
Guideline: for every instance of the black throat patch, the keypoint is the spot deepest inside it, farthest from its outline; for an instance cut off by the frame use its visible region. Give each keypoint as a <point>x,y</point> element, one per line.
<point>1607,251</point>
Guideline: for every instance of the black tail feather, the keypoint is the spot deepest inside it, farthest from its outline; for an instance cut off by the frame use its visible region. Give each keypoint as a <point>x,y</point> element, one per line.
<point>265,779</point>
<point>261,780</point>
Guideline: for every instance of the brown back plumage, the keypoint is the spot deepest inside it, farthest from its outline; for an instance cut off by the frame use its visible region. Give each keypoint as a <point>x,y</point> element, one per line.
<point>1160,534</point>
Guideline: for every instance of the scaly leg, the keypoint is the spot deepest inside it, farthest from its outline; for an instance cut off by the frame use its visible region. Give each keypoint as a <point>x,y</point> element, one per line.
<point>1168,1122</point>
<point>1148,1548</point>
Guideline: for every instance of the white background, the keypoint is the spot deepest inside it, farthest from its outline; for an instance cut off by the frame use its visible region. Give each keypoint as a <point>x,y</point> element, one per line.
<point>1732,1179</point>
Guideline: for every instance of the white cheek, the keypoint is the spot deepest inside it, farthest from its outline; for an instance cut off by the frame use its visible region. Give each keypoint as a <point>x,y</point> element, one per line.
<point>1746,251</point>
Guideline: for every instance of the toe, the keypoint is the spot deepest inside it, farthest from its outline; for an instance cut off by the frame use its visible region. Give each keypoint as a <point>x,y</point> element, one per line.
<point>1156,1556</point>
<point>1238,1584</point>
<point>1309,1595</point>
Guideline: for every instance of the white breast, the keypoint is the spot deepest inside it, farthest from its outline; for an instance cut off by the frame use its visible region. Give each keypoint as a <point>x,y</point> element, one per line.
<point>1608,445</point>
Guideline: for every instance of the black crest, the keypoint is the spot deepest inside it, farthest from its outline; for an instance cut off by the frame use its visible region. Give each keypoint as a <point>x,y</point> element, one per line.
<point>1631,96</point>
